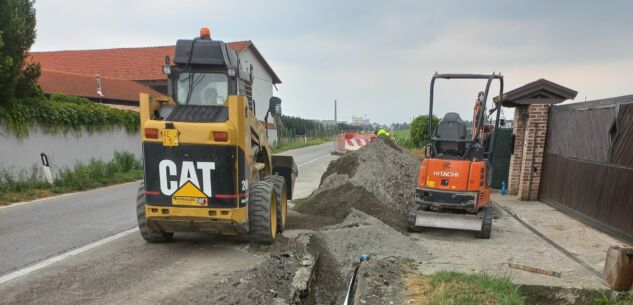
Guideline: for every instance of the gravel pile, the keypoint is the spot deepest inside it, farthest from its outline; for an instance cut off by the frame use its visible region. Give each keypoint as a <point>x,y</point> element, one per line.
<point>341,245</point>
<point>378,179</point>
<point>360,234</point>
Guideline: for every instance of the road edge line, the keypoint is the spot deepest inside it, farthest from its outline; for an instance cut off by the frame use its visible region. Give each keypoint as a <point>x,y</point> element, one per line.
<point>313,160</point>
<point>45,263</point>
<point>64,195</point>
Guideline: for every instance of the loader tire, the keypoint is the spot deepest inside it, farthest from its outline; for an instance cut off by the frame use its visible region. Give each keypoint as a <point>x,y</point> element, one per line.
<point>147,234</point>
<point>262,213</point>
<point>486,224</point>
<point>279,185</point>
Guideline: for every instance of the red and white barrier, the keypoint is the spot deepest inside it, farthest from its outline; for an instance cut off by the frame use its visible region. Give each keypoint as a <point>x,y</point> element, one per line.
<point>352,140</point>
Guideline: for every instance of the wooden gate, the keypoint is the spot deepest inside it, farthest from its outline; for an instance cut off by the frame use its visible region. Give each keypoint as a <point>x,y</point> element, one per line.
<point>588,163</point>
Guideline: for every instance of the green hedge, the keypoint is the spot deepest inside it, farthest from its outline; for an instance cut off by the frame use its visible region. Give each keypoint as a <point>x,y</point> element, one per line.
<point>61,114</point>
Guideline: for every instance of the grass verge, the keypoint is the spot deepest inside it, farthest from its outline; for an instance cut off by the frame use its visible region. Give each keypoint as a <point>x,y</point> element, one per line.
<point>448,288</point>
<point>124,167</point>
<point>298,144</point>
<point>623,300</point>
<point>453,288</point>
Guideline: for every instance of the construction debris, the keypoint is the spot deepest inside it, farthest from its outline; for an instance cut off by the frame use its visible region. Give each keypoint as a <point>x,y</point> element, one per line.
<point>378,179</point>
<point>534,269</point>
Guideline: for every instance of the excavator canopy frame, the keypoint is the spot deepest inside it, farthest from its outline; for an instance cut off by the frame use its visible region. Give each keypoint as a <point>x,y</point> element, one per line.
<point>481,119</point>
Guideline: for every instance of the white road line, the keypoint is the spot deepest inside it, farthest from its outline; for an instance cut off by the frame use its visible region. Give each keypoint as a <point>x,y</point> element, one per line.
<point>15,274</point>
<point>319,158</point>
<point>12,205</point>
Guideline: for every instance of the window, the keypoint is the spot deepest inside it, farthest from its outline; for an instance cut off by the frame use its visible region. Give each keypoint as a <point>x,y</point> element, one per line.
<point>202,88</point>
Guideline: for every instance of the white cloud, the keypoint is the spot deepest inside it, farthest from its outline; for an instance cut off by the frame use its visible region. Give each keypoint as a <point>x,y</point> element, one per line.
<point>376,57</point>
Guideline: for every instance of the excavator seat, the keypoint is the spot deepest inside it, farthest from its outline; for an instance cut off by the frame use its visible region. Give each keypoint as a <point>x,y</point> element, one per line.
<point>450,136</point>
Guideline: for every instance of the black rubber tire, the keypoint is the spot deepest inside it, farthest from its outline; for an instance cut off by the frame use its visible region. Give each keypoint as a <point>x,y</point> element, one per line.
<point>262,220</point>
<point>486,225</point>
<point>147,234</point>
<point>279,185</point>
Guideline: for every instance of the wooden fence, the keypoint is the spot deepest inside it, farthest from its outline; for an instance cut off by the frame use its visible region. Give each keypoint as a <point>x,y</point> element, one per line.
<point>588,164</point>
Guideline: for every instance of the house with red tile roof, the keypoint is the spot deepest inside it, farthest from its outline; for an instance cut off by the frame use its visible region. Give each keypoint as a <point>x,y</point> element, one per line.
<point>117,76</point>
<point>112,91</point>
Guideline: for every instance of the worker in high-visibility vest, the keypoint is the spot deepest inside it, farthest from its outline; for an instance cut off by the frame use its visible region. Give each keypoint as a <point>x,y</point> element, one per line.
<point>382,132</point>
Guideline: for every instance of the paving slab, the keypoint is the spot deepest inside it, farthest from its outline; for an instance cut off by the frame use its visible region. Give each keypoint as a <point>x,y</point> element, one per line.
<point>513,242</point>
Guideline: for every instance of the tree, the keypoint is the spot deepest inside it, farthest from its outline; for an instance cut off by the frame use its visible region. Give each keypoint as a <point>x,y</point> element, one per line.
<point>17,34</point>
<point>420,130</point>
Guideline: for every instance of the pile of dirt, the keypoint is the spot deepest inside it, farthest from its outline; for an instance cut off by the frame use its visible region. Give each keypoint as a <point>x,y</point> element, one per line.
<point>381,281</point>
<point>281,279</point>
<point>360,234</point>
<point>340,246</point>
<point>378,179</point>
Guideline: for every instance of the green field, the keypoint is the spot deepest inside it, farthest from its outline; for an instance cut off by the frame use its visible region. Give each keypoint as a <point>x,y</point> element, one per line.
<point>299,144</point>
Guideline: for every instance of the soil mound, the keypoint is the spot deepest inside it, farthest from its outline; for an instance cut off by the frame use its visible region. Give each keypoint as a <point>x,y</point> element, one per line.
<point>378,179</point>
<point>340,246</point>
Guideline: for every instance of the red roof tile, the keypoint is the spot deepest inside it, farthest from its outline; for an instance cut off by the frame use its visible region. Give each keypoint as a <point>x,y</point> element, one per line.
<point>124,63</point>
<point>128,63</point>
<point>86,86</point>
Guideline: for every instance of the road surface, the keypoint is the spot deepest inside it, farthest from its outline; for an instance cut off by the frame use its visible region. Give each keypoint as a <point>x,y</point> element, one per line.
<point>83,248</point>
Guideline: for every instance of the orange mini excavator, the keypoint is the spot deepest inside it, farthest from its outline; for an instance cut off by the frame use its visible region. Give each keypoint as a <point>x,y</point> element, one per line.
<point>453,188</point>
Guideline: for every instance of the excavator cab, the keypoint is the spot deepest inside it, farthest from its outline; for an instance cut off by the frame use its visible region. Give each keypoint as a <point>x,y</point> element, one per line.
<point>453,188</point>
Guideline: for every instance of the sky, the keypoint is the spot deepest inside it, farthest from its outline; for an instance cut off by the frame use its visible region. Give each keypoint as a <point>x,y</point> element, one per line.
<point>377,57</point>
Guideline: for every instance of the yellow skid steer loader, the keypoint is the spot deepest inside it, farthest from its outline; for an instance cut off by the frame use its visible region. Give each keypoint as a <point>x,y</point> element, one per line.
<point>207,161</point>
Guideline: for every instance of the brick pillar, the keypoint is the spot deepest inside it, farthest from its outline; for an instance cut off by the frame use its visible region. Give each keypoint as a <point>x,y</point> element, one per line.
<point>533,149</point>
<point>514,176</point>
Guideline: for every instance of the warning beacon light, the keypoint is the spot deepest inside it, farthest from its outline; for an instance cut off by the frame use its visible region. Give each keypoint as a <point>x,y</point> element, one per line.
<point>205,33</point>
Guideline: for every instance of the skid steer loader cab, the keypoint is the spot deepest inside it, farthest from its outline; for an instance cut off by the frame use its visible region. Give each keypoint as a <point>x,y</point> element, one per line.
<point>453,184</point>
<point>208,163</point>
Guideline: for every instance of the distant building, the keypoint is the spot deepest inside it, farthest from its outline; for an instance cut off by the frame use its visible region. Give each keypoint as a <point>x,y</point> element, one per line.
<point>359,121</point>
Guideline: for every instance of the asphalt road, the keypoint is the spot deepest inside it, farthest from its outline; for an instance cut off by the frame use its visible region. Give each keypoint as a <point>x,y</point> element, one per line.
<point>83,248</point>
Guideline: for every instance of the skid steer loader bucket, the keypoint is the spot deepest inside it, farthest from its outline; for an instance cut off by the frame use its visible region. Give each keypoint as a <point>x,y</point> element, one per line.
<point>286,167</point>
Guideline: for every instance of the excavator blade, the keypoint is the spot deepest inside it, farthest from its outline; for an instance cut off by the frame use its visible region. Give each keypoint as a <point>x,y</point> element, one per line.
<point>471,222</point>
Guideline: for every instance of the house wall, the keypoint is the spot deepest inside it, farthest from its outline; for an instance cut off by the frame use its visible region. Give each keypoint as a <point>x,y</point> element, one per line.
<point>21,154</point>
<point>262,82</point>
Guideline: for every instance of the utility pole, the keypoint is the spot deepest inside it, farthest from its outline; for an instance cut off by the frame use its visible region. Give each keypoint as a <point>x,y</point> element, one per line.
<point>335,112</point>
